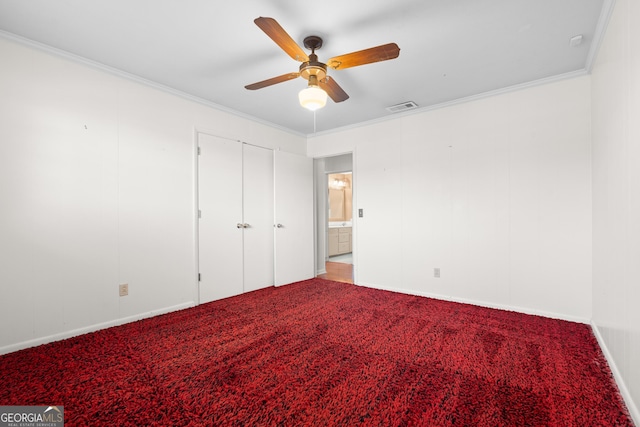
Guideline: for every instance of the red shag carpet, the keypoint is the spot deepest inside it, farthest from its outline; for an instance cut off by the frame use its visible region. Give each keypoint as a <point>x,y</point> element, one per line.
<point>322,353</point>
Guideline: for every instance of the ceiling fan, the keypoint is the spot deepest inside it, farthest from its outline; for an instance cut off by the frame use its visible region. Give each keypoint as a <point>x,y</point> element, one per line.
<point>320,84</point>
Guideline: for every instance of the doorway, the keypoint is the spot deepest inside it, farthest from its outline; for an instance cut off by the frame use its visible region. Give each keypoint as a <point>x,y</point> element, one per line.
<point>334,189</point>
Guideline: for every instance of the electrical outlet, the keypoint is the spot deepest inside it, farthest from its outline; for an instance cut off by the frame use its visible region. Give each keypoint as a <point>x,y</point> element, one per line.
<point>436,272</point>
<point>124,290</point>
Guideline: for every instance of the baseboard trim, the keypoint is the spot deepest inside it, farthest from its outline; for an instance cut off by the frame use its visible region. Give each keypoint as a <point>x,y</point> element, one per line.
<point>617,376</point>
<point>523,310</point>
<point>92,328</point>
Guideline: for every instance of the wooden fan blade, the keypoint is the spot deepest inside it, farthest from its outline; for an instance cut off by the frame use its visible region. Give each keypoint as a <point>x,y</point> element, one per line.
<point>282,39</point>
<point>272,81</point>
<point>333,89</point>
<point>367,56</point>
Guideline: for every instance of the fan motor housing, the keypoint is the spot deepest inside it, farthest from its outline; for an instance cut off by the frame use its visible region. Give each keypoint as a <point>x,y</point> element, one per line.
<point>312,67</point>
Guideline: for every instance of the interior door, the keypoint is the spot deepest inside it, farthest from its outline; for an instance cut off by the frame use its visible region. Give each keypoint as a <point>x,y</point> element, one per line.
<point>294,218</point>
<point>258,217</point>
<point>220,204</point>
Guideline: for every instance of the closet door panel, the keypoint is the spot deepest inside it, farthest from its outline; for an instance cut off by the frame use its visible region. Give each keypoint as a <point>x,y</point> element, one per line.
<point>258,217</point>
<point>220,201</point>
<point>294,254</point>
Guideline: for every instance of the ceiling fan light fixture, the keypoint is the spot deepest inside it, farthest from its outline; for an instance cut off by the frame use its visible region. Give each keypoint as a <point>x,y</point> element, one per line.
<point>312,98</point>
<point>320,85</point>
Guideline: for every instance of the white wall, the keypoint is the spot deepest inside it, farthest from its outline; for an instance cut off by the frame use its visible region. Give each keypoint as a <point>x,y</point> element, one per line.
<point>496,193</point>
<point>97,189</point>
<point>616,197</point>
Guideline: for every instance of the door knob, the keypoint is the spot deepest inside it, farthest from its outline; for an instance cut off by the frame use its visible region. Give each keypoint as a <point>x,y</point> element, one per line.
<point>239,225</point>
<point>280,226</point>
<point>245,225</point>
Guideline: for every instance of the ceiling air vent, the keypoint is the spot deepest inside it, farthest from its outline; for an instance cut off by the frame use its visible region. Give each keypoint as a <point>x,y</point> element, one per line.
<point>409,105</point>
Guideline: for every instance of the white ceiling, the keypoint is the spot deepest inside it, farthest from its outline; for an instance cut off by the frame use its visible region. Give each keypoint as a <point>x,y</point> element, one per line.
<point>450,49</point>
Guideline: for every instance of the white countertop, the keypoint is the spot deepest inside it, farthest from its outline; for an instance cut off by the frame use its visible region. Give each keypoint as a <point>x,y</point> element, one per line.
<point>340,224</point>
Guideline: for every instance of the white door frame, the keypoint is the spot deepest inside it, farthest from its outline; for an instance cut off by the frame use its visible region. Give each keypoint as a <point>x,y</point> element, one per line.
<point>325,228</point>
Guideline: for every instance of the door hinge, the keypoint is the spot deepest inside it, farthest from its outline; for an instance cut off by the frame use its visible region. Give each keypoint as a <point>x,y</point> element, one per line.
<point>199,213</point>
<point>199,280</point>
<point>199,152</point>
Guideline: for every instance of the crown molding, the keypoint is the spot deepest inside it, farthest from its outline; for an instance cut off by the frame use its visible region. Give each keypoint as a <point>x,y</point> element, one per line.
<point>501,91</point>
<point>137,79</point>
<point>599,33</point>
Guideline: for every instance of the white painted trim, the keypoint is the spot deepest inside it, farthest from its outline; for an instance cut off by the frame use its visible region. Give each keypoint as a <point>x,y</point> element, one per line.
<point>600,31</point>
<point>485,304</point>
<point>93,328</point>
<point>355,219</point>
<point>196,215</point>
<point>624,391</point>
<point>184,95</point>
<point>316,240</point>
<point>132,77</point>
<point>501,91</point>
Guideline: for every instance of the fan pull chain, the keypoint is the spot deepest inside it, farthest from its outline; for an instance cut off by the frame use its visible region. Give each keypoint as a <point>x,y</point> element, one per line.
<point>314,122</point>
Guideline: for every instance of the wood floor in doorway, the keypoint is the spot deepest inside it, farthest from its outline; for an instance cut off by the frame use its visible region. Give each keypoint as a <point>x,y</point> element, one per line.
<point>338,272</point>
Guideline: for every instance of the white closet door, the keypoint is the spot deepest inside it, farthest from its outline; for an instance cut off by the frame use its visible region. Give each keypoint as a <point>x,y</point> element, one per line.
<point>220,201</point>
<point>294,218</point>
<point>258,217</point>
